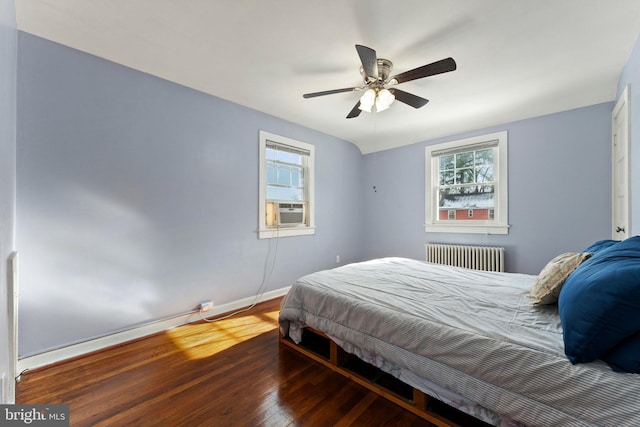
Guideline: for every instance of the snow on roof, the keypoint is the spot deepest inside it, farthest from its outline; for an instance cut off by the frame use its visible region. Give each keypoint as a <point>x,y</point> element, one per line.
<point>468,201</point>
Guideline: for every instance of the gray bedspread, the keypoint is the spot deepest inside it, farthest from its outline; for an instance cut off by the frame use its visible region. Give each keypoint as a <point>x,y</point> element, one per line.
<point>474,333</point>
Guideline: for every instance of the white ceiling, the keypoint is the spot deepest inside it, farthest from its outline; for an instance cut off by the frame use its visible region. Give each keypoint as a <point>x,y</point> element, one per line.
<point>516,58</point>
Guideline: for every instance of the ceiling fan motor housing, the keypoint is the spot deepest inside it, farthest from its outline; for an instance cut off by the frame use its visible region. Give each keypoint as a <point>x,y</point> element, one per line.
<point>384,70</point>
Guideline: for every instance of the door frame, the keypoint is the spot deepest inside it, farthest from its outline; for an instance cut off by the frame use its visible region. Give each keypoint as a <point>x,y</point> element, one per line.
<point>621,109</point>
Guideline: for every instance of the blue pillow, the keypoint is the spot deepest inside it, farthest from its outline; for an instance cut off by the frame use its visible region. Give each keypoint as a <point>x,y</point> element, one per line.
<point>599,303</point>
<point>625,357</point>
<point>600,245</point>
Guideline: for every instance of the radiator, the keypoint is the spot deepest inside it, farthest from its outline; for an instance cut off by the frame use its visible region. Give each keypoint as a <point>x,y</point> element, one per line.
<point>487,258</point>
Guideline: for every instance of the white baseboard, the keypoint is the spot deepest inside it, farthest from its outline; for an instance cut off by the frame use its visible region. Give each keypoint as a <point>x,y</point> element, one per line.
<point>85,347</point>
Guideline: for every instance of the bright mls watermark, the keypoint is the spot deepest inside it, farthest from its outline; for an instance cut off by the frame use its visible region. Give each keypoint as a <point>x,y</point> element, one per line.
<point>34,415</point>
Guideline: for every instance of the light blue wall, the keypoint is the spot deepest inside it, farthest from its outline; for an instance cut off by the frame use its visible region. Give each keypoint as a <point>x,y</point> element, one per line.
<point>631,76</point>
<point>559,191</point>
<point>138,198</point>
<point>8,64</point>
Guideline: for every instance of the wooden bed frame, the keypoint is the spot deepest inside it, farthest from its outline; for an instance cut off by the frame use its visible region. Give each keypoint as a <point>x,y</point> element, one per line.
<point>319,347</point>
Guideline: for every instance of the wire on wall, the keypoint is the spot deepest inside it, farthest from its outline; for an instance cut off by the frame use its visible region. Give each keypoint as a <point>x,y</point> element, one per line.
<point>266,278</point>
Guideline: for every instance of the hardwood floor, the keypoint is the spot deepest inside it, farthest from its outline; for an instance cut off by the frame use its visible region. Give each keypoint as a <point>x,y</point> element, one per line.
<point>228,373</point>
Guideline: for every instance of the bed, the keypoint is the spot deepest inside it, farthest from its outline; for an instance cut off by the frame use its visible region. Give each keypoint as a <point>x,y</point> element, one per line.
<point>471,339</point>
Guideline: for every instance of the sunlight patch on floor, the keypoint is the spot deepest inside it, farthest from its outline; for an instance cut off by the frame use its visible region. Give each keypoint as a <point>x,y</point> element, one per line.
<point>198,341</point>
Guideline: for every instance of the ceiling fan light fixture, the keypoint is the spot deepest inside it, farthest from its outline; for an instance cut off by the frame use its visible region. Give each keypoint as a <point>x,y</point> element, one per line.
<point>384,100</point>
<point>367,100</point>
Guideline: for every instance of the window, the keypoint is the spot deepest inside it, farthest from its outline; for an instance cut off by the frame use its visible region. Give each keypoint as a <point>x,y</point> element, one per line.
<point>466,185</point>
<point>286,204</point>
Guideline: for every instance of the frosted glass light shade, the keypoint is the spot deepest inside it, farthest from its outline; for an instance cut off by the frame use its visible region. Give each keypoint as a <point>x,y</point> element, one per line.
<point>367,100</point>
<point>384,100</point>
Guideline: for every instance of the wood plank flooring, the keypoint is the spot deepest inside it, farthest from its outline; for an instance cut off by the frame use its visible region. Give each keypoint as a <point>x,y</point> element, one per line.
<point>228,373</point>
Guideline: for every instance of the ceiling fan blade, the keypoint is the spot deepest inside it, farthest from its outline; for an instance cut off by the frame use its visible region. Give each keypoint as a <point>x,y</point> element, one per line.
<point>329,92</point>
<point>438,67</point>
<point>369,62</point>
<point>355,112</point>
<point>408,98</point>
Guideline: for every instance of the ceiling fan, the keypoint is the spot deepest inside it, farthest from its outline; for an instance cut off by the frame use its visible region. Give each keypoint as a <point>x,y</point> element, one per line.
<point>375,72</point>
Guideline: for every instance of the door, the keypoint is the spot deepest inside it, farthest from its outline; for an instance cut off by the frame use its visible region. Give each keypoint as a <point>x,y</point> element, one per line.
<point>620,226</point>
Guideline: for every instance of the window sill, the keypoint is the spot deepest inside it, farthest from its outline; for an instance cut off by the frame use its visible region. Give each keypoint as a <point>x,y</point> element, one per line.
<point>467,228</point>
<point>269,233</point>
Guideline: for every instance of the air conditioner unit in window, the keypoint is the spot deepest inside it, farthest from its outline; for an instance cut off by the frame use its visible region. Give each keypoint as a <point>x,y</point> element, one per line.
<point>291,214</point>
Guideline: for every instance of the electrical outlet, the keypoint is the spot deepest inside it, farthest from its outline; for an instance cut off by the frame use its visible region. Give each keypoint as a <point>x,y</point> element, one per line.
<point>337,258</point>
<point>206,305</point>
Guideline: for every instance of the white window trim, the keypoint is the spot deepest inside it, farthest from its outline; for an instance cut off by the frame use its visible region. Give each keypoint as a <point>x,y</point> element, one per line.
<point>500,225</point>
<point>265,232</point>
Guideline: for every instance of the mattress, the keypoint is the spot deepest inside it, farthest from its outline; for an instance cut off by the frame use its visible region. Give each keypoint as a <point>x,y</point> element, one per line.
<point>472,333</point>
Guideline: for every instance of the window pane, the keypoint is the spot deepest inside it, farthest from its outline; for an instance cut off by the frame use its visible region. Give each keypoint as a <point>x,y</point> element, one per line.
<point>464,160</point>
<point>446,162</point>
<point>484,173</point>
<point>284,193</point>
<point>284,176</point>
<point>464,176</point>
<point>285,157</point>
<point>484,157</point>
<point>272,173</point>
<point>477,199</point>
<point>446,177</point>
<point>285,182</point>
<point>445,194</point>
<point>296,177</point>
